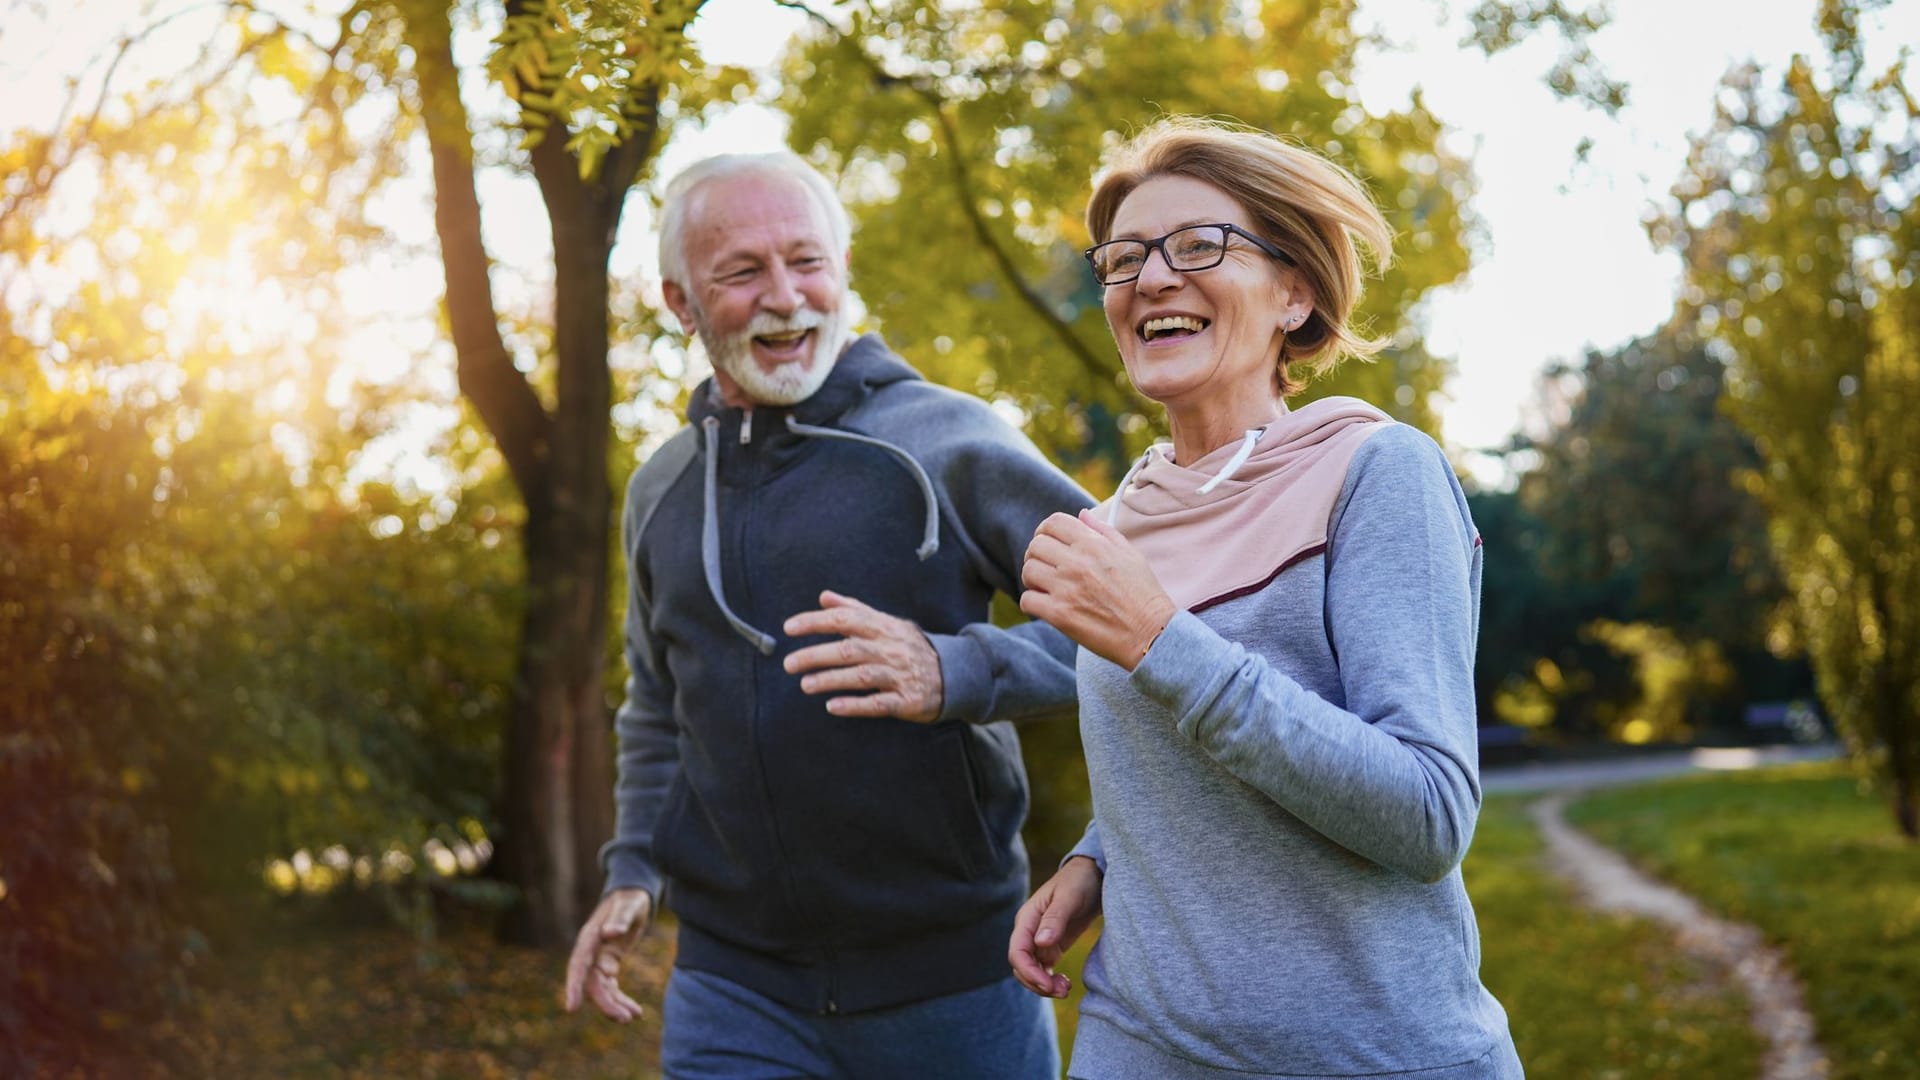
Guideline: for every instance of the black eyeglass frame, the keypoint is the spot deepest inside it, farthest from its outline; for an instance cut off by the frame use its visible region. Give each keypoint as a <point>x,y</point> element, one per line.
<point>1228,229</point>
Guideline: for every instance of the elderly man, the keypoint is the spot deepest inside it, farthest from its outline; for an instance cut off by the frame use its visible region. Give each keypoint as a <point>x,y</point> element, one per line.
<point>827,790</point>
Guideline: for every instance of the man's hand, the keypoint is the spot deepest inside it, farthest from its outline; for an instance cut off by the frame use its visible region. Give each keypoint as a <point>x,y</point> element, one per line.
<point>594,967</point>
<point>1050,922</point>
<point>881,666</point>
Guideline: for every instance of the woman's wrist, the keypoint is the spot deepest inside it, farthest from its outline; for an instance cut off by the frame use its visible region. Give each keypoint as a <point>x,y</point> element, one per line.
<point>1156,625</point>
<point>1092,864</point>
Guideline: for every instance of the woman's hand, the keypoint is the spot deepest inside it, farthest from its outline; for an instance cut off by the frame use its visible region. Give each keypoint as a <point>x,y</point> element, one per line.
<point>1095,587</point>
<point>1050,922</point>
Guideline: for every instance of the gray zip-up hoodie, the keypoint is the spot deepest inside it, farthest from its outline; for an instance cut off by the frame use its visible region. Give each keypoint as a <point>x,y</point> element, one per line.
<point>1283,790</point>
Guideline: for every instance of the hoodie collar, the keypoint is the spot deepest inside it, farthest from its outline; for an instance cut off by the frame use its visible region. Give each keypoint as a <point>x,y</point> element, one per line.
<point>1212,532</point>
<point>861,368</point>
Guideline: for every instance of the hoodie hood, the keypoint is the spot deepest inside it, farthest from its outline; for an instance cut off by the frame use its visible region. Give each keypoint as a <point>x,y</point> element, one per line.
<point>1229,523</point>
<point>862,368</point>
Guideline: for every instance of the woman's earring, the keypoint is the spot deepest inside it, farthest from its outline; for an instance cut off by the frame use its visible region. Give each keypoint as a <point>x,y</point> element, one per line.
<point>1295,323</point>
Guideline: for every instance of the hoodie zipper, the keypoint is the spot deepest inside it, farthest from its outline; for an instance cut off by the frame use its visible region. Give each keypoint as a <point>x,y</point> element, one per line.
<point>751,479</point>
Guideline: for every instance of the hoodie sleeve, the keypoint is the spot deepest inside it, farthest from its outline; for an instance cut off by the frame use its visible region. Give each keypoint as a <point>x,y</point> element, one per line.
<point>1000,488</point>
<point>648,757</point>
<point>1089,847</point>
<point>1394,776</point>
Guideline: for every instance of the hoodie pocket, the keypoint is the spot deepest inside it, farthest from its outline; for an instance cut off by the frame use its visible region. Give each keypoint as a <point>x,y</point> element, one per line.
<point>962,801</point>
<point>666,828</point>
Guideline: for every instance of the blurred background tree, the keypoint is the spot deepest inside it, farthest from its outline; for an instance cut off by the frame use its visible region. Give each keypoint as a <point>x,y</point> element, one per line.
<point>1630,593</point>
<point>1800,231</point>
<point>231,630</point>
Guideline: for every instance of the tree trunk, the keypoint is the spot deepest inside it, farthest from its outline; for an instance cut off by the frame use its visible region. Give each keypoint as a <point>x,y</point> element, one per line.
<point>1897,733</point>
<point>557,799</point>
<point>557,802</point>
<point>559,757</point>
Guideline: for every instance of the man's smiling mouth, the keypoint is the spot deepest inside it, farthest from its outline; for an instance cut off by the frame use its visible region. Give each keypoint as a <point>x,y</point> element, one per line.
<point>783,342</point>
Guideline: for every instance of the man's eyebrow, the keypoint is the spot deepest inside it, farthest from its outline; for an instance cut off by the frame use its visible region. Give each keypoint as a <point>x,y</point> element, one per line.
<point>735,260</point>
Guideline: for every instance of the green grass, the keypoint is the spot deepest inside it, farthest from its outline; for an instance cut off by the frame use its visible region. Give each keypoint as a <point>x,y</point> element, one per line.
<point>1067,1010</point>
<point>1805,855</point>
<point>1591,995</point>
<point>1800,852</point>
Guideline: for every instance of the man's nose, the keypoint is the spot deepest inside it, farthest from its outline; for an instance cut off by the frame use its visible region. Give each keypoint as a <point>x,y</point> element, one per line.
<point>783,294</point>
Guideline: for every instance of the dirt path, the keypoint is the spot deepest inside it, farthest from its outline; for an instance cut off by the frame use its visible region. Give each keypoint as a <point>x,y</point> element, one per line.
<point>1610,883</point>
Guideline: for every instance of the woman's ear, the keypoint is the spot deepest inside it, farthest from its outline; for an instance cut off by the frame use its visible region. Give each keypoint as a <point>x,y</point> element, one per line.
<point>1296,300</point>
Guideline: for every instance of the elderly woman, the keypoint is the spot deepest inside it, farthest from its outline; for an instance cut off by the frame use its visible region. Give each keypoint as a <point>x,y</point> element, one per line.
<point>1277,617</point>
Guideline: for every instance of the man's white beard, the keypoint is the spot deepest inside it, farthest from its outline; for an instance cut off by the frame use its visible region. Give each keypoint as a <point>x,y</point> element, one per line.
<point>786,384</point>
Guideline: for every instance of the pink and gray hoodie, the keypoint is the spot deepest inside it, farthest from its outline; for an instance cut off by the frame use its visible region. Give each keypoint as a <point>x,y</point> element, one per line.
<point>1283,789</point>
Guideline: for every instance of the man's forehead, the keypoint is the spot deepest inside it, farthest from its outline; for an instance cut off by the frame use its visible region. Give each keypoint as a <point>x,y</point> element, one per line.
<point>755,203</point>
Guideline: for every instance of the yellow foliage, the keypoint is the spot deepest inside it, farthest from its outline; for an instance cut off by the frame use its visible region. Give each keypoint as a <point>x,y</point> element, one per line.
<point>1671,673</point>
<point>1524,703</point>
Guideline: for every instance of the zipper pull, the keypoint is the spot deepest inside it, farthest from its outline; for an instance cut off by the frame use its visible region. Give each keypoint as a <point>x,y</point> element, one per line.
<point>746,425</point>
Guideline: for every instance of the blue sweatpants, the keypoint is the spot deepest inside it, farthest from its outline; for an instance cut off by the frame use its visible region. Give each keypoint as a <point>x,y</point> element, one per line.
<point>716,1029</point>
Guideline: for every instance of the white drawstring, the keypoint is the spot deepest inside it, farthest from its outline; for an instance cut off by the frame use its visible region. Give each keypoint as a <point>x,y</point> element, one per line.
<point>1226,472</point>
<point>1233,463</point>
<point>1113,508</point>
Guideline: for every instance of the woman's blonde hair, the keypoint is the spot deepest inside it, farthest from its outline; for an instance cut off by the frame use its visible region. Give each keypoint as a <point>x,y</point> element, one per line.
<point>1317,212</point>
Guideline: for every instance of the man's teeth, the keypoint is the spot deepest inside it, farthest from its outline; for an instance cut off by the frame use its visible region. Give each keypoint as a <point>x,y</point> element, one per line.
<point>1171,323</point>
<point>783,339</point>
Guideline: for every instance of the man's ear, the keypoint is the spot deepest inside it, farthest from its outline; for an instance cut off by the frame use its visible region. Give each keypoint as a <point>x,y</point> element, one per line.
<point>680,304</point>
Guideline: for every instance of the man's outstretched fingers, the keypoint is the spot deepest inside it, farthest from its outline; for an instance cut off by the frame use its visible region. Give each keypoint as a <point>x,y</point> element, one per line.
<point>606,994</point>
<point>852,677</point>
<point>883,704</point>
<point>578,962</point>
<point>831,599</point>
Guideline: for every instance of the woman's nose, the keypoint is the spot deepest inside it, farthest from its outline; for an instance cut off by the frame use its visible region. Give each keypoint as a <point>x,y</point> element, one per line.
<point>1156,273</point>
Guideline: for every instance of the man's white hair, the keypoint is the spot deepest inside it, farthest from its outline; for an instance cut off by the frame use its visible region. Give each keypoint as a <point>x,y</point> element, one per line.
<point>673,205</point>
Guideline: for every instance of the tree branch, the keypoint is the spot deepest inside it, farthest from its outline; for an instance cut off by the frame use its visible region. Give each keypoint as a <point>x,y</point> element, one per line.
<point>498,390</point>
<point>623,166</point>
<point>45,171</point>
<point>964,191</point>
<point>643,111</point>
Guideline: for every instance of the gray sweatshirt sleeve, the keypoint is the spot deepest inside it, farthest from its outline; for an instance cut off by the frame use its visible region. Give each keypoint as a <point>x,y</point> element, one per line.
<point>649,748</point>
<point>998,488</point>
<point>991,673</point>
<point>1393,776</point>
<point>1089,846</point>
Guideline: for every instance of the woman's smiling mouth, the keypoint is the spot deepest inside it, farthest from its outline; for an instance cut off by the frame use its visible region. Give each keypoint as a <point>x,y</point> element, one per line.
<point>1171,327</point>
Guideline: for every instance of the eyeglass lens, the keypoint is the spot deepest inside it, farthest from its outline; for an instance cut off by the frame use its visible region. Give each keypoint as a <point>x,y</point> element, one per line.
<point>1196,247</point>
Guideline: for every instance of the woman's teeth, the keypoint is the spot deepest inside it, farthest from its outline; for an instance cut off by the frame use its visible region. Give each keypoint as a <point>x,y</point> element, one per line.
<point>1171,326</point>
